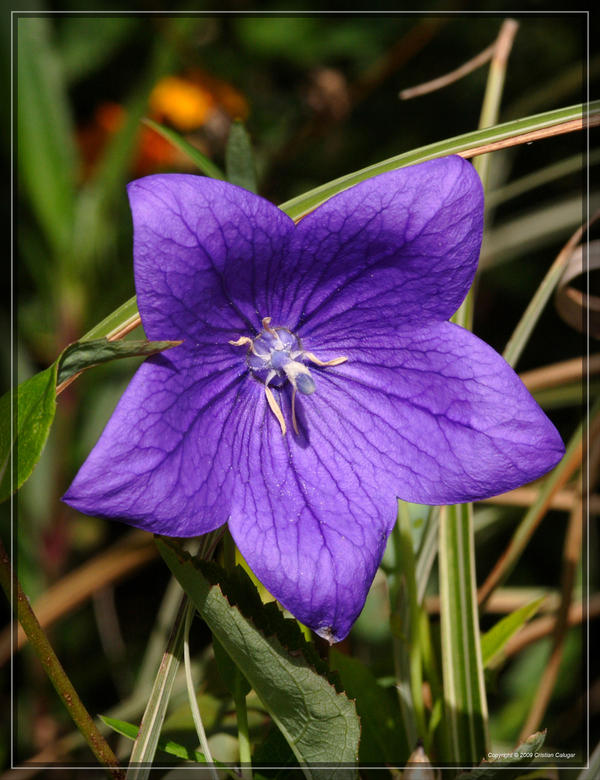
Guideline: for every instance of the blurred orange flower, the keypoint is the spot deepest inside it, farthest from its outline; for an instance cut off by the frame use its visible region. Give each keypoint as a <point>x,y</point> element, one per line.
<point>187,103</point>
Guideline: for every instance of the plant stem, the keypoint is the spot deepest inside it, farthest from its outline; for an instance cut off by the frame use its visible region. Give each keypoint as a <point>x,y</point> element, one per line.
<point>53,668</point>
<point>239,698</point>
<point>189,616</point>
<point>489,116</point>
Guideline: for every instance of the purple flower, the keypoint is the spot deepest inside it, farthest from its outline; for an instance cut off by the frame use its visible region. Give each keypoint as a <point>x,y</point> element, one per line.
<point>318,379</point>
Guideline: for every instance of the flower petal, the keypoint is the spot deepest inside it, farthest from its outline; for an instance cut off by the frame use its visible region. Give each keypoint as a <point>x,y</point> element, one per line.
<point>445,413</point>
<point>403,246</point>
<point>202,251</point>
<point>438,417</point>
<point>310,514</point>
<point>166,459</point>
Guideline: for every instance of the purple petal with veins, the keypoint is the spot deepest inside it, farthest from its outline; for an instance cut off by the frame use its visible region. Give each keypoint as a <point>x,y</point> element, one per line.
<point>317,381</point>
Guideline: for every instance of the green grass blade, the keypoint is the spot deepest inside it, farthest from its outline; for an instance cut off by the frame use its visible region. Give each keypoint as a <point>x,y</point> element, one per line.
<point>200,160</point>
<point>464,691</point>
<point>146,743</point>
<point>494,640</point>
<point>518,340</point>
<point>126,314</point>
<point>239,158</point>
<point>309,200</point>
<point>46,149</point>
<point>461,143</point>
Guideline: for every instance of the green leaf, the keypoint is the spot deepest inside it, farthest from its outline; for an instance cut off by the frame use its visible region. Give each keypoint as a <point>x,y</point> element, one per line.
<point>204,164</point>
<point>34,403</point>
<point>464,690</point>
<point>24,432</point>
<point>130,730</point>
<point>84,354</point>
<point>382,738</point>
<point>500,767</point>
<point>239,158</point>
<point>494,640</point>
<point>319,723</point>
<point>230,674</point>
<point>47,154</point>
<point>274,752</point>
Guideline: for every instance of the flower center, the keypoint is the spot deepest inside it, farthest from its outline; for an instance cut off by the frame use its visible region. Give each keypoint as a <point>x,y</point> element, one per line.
<point>276,356</point>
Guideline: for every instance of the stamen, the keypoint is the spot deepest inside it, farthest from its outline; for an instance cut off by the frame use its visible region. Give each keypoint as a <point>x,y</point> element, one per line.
<point>335,362</point>
<point>241,341</point>
<point>276,409</point>
<point>266,323</point>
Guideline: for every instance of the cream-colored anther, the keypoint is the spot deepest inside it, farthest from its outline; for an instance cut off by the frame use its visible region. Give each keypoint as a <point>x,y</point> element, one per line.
<point>266,323</point>
<point>241,341</point>
<point>276,409</point>
<point>314,359</point>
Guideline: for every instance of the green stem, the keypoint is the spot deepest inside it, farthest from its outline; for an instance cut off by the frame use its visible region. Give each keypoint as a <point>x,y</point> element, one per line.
<point>239,696</point>
<point>146,741</point>
<point>53,668</point>
<point>489,116</point>
<point>189,616</point>
<point>414,647</point>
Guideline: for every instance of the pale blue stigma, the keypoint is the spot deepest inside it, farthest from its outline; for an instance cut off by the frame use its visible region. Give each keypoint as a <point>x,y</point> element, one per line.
<point>305,384</point>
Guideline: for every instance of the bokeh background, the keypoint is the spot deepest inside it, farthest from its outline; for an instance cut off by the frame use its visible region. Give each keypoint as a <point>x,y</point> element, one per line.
<point>319,97</point>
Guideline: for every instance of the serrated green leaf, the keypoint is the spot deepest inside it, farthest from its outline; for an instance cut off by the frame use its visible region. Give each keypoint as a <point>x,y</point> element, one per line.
<point>382,739</point>
<point>204,164</point>
<point>232,678</point>
<point>82,355</point>
<point>274,752</point>
<point>24,433</point>
<point>239,158</point>
<point>500,767</point>
<point>494,640</point>
<point>319,723</point>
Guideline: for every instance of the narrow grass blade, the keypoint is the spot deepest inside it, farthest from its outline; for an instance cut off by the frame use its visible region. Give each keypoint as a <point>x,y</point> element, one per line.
<point>550,485</point>
<point>147,739</point>
<point>47,160</point>
<point>464,691</point>
<point>239,158</point>
<point>127,312</point>
<point>200,160</point>
<point>494,640</point>
<point>518,340</point>
<point>459,144</point>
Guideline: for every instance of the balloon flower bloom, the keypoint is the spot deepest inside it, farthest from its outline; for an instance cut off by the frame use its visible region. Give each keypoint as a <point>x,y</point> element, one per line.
<point>318,379</point>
